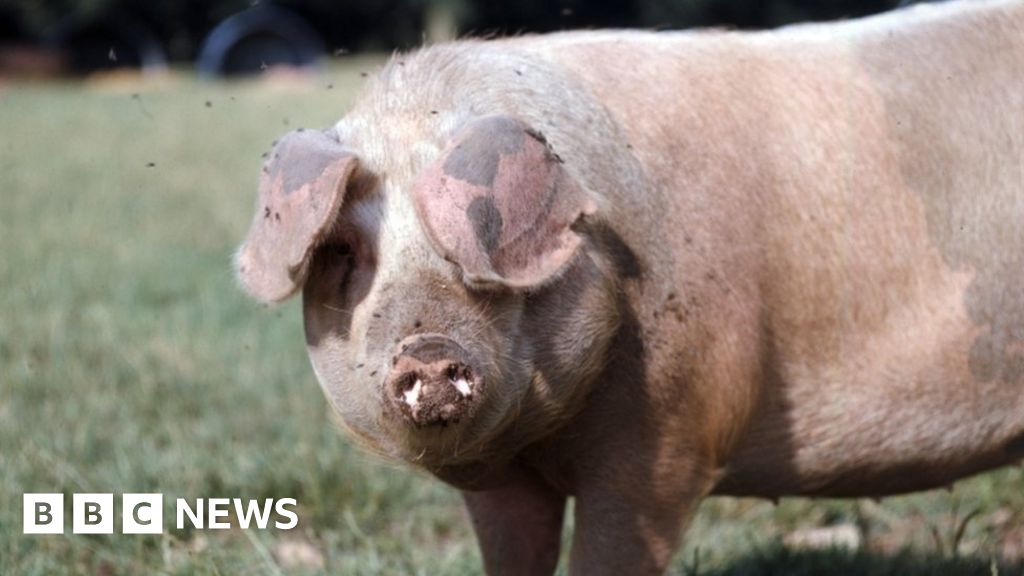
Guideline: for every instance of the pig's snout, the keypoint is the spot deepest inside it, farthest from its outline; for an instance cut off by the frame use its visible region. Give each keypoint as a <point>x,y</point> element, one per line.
<point>433,381</point>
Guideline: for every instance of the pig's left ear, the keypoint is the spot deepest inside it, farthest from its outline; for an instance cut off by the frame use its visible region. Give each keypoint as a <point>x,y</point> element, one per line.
<point>301,192</point>
<point>499,203</point>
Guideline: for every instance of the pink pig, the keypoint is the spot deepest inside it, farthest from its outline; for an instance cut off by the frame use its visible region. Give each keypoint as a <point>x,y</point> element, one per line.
<point>640,268</point>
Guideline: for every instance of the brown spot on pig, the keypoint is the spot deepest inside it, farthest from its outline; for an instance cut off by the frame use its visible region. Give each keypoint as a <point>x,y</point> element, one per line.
<point>475,159</point>
<point>486,221</point>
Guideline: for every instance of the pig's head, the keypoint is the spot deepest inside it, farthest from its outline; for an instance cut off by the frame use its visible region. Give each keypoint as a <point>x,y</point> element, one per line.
<point>452,312</point>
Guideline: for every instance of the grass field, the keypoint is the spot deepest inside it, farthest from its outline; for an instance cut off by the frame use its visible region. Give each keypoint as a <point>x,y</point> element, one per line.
<point>130,362</point>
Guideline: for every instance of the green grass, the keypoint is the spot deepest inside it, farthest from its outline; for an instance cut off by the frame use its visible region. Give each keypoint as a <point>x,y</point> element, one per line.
<point>130,362</point>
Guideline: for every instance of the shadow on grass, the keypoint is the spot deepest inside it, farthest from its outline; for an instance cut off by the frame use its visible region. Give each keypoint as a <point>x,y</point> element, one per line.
<point>779,561</point>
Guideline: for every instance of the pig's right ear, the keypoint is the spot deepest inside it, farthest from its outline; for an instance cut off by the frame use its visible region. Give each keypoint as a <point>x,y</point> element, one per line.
<point>301,192</point>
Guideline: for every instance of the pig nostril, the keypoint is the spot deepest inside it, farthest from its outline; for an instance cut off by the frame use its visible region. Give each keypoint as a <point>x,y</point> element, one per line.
<point>406,381</point>
<point>459,377</point>
<point>409,388</point>
<point>412,396</point>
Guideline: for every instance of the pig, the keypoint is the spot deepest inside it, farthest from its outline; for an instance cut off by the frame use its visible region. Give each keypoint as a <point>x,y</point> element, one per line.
<point>638,268</point>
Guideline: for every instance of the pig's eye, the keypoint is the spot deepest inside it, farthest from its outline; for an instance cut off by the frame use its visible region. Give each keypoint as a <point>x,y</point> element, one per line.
<point>334,264</point>
<point>345,260</point>
<point>340,250</point>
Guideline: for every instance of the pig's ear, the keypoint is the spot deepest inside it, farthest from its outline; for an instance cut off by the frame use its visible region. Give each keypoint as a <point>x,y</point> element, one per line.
<point>499,203</point>
<point>301,192</point>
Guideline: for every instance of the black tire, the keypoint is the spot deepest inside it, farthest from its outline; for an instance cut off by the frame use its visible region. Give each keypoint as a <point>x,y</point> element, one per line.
<point>251,41</point>
<point>108,42</point>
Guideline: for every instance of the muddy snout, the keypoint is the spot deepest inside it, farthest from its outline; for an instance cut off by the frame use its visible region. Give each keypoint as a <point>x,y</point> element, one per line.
<point>433,381</point>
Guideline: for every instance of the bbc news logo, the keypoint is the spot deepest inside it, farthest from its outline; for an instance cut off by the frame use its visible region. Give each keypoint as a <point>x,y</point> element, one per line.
<point>143,513</point>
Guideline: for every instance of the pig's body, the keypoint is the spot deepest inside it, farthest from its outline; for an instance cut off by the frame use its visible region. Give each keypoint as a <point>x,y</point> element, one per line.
<point>799,272</point>
<point>839,211</point>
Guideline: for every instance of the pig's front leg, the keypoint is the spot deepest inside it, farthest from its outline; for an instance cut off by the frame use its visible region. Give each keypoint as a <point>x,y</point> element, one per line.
<point>518,526</point>
<point>624,527</point>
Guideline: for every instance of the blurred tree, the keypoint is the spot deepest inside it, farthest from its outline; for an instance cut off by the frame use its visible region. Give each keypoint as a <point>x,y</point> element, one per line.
<point>746,14</point>
<point>353,25</point>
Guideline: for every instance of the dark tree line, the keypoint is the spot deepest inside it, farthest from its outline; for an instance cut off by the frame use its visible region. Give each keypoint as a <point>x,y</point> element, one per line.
<point>179,26</point>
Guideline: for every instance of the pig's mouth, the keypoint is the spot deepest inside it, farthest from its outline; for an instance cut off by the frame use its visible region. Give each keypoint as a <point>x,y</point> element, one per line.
<point>432,382</point>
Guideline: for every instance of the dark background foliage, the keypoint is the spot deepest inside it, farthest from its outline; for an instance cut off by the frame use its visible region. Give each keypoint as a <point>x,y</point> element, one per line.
<point>362,25</point>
